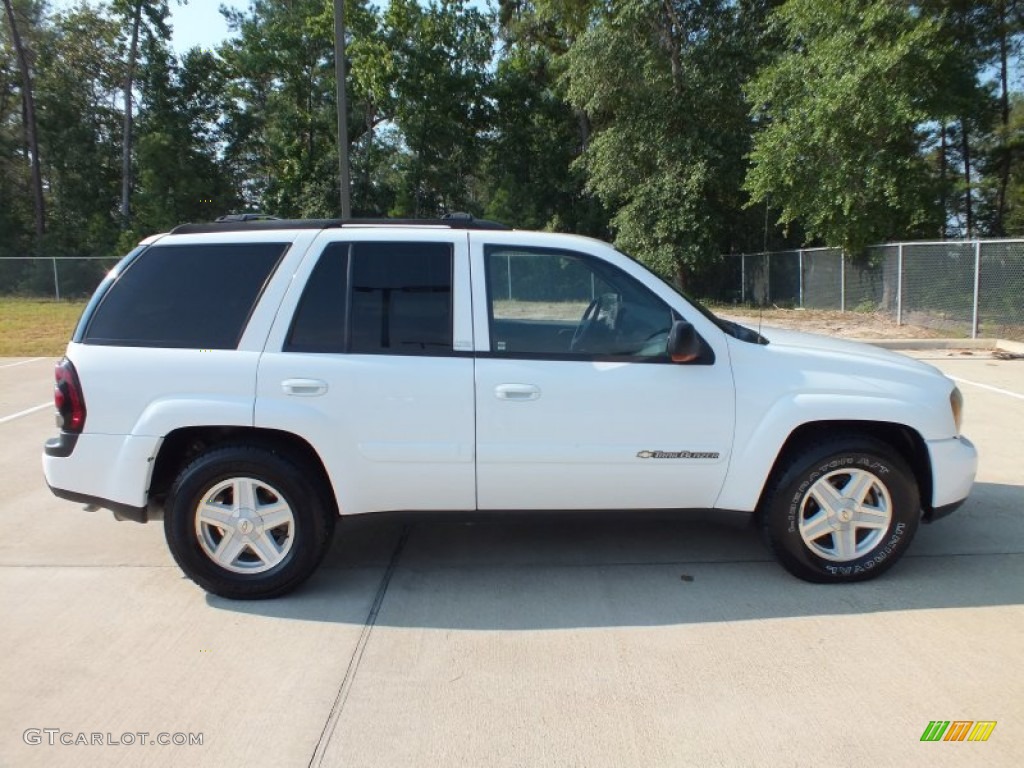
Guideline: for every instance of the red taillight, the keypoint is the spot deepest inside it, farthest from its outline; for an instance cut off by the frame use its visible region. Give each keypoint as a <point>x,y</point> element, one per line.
<point>68,397</point>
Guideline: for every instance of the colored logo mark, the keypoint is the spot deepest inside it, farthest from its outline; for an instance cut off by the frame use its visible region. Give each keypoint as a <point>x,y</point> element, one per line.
<point>958,730</point>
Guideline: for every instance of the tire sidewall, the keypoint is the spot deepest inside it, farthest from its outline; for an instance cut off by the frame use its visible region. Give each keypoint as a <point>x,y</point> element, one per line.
<point>195,482</point>
<point>785,510</point>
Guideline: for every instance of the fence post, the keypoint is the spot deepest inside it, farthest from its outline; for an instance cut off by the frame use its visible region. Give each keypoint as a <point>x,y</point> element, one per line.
<point>977,285</point>
<point>899,284</point>
<point>800,287</point>
<point>842,281</point>
<point>743,278</point>
<point>767,277</point>
<point>56,282</point>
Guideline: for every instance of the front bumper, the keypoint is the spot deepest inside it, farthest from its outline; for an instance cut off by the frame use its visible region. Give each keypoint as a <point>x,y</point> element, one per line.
<point>954,466</point>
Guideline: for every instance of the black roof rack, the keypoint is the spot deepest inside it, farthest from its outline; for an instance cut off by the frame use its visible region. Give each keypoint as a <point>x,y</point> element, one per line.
<point>249,222</point>
<point>233,217</point>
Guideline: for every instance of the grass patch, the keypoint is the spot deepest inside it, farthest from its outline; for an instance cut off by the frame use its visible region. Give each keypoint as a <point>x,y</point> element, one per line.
<point>36,327</point>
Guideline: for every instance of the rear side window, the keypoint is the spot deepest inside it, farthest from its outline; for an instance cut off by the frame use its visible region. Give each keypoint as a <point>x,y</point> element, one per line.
<point>185,296</point>
<point>377,298</point>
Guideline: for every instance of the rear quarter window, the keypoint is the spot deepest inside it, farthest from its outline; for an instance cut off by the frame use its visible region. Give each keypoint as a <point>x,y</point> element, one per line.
<point>184,296</point>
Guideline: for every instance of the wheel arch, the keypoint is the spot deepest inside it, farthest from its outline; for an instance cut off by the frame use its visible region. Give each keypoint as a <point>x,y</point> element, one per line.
<point>906,441</point>
<point>182,445</point>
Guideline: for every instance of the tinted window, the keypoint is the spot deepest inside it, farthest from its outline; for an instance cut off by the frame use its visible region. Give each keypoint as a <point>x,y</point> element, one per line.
<point>563,304</point>
<point>192,296</point>
<point>319,324</point>
<point>401,298</point>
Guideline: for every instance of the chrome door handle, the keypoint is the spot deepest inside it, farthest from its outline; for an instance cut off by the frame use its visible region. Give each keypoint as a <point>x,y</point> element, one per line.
<point>304,387</point>
<point>520,392</point>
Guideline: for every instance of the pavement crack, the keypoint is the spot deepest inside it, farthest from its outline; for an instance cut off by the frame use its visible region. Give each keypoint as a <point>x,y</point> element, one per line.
<point>357,655</point>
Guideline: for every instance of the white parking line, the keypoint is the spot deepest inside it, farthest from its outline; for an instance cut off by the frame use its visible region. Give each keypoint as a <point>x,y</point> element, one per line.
<point>22,362</point>
<point>989,387</point>
<point>26,412</point>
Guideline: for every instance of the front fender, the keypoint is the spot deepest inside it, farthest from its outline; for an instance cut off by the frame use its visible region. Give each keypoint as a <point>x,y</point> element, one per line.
<point>756,450</point>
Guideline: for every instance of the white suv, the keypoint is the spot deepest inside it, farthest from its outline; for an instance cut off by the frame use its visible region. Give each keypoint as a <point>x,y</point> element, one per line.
<point>250,381</point>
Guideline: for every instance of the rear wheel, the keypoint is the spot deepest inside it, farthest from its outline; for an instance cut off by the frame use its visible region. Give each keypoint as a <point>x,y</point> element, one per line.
<point>244,522</point>
<point>841,510</point>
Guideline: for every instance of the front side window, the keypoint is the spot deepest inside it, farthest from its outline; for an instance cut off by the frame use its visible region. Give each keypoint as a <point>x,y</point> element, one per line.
<point>561,304</point>
<point>377,298</point>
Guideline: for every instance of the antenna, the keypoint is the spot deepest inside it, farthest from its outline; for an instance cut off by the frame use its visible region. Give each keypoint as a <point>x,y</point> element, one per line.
<point>764,252</point>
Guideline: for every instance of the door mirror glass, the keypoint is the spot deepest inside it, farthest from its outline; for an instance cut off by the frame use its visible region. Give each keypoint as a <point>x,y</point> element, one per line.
<point>684,345</point>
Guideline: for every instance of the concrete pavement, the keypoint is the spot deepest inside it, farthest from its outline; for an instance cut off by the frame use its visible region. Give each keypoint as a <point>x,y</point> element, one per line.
<point>528,641</point>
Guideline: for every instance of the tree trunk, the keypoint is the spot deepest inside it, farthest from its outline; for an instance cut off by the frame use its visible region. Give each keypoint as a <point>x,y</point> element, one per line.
<point>31,132</point>
<point>371,115</point>
<point>344,183</point>
<point>943,149</point>
<point>126,144</point>
<point>674,33</point>
<point>583,121</point>
<point>968,203</point>
<point>1004,133</point>
<point>682,276</point>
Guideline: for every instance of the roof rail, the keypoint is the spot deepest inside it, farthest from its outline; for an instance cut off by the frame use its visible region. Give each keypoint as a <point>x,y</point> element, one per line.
<point>232,217</point>
<point>249,222</point>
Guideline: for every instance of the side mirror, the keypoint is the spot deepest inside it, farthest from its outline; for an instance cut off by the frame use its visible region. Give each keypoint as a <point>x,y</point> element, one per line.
<point>684,344</point>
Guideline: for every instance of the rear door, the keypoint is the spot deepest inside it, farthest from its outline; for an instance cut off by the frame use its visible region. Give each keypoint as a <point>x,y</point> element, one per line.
<point>578,406</point>
<point>370,360</point>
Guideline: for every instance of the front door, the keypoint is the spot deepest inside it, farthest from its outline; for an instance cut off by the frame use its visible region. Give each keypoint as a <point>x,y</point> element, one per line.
<point>578,405</point>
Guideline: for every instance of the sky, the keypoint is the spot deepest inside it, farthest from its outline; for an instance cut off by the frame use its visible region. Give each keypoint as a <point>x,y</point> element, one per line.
<point>197,23</point>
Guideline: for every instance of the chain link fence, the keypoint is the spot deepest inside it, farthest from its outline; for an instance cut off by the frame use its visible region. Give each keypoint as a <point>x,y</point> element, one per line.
<point>973,287</point>
<point>970,288</point>
<point>60,277</point>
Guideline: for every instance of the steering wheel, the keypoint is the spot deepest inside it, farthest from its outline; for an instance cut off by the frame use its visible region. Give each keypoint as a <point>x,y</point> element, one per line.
<point>606,302</point>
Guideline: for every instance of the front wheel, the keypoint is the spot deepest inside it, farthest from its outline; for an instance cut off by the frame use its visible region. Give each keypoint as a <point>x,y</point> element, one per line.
<point>841,510</point>
<point>244,522</point>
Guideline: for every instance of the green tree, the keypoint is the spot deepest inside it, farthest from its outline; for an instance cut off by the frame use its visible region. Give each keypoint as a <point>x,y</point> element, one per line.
<point>181,176</point>
<point>528,177</point>
<point>80,74</point>
<point>842,114</point>
<point>15,216</point>
<point>146,18</point>
<point>24,56</point>
<point>440,57</point>
<point>280,125</point>
<point>1013,222</point>
<point>661,83</point>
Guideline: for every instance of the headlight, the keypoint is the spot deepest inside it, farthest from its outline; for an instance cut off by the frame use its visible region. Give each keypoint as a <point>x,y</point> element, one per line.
<point>956,404</point>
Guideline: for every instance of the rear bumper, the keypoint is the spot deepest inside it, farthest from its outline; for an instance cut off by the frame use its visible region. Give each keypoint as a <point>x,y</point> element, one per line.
<point>109,471</point>
<point>121,511</point>
<point>954,466</point>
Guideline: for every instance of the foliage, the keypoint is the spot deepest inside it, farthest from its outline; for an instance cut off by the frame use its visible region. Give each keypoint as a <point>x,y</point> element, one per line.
<point>840,113</point>
<point>682,129</point>
<point>662,83</point>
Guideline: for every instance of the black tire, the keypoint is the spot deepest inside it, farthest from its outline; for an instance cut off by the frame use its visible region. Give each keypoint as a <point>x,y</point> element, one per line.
<point>795,526</point>
<point>300,543</point>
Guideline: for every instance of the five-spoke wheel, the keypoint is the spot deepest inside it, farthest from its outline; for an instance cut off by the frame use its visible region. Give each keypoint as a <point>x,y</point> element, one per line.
<point>245,526</point>
<point>841,510</point>
<point>247,522</point>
